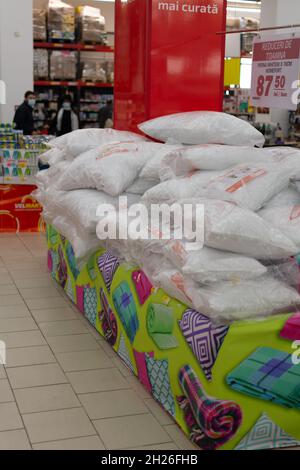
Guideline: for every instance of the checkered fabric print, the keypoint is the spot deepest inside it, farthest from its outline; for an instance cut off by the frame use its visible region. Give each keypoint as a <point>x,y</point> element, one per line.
<point>70,291</point>
<point>158,372</point>
<point>124,354</point>
<point>266,435</point>
<point>203,337</point>
<point>90,304</point>
<point>108,265</point>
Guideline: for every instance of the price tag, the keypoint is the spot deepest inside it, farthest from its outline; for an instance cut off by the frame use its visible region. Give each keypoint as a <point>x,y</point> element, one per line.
<point>275,72</point>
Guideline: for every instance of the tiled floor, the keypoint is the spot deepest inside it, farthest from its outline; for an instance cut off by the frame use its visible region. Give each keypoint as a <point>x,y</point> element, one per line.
<point>63,386</point>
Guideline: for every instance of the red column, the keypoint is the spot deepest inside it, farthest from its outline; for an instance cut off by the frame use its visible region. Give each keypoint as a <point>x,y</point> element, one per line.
<point>168,58</point>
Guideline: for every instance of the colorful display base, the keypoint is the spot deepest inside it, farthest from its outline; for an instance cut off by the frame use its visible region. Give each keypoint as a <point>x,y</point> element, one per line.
<point>227,387</point>
<point>19,211</point>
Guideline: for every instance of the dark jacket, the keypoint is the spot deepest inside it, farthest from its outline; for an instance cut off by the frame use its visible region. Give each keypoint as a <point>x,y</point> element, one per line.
<point>105,113</point>
<point>24,119</point>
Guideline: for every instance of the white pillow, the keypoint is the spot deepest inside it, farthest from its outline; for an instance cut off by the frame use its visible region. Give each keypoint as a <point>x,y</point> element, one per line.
<point>249,185</point>
<point>82,140</point>
<point>231,228</point>
<point>285,218</point>
<point>111,168</point>
<point>141,185</point>
<point>224,301</point>
<point>287,197</point>
<point>208,265</point>
<point>174,190</point>
<point>202,127</point>
<point>152,168</point>
<point>81,205</point>
<point>182,161</point>
<point>83,243</point>
<point>265,296</point>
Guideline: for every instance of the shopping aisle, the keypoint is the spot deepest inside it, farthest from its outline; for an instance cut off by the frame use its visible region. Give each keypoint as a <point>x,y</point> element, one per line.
<point>63,386</point>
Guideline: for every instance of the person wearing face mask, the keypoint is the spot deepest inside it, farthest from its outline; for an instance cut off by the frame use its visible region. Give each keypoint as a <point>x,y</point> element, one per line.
<point>66,119</point>
<point>24,115</point>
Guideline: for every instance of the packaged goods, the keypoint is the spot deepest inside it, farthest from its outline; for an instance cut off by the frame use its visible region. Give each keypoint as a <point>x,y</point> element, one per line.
<point>287,197</point>
<point>152,168</point>
<point>231,228</point>
<point>174,190</point>
<point>141,185</point>
<point>41,67</point>
<point>202,127</point>
<point>93,68</point>
<point>182,161</point>
<point>97,168</point>
<point>249,185</point>
<point>61,21</point>
<point>39,25</point>
<point>285,218</point>
<point>207,265</point>
<point>82,140</point>
<point>63,65</point>
<point>83,243</point>
<point>223,301</point>
<point>91,24</point>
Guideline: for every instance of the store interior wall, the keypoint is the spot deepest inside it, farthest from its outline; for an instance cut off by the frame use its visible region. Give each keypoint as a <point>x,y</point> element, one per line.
<point>16,53</point>
<point>107,9</point>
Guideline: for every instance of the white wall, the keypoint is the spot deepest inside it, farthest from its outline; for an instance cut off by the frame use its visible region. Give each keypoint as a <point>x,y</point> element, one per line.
<point>107,9</point>
<point>16,53</point>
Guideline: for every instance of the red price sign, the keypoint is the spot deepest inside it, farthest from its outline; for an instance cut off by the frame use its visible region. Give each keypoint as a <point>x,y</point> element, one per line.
<point>265,82</point>
<point>275,70</point>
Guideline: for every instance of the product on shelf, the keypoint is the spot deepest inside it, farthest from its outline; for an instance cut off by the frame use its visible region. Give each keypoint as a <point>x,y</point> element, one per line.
<point>41,67</point>
<point>242,23</point>
<point>39,25</point>
<point>97,68</point>
<point>61,21</point>
<point>91,24</point>
<point>19,155</point>
<point>63,65</point>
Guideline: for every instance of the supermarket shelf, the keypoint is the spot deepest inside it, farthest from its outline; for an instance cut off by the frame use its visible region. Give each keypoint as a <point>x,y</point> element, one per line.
<point>76,83</point>
<point>73,46</point>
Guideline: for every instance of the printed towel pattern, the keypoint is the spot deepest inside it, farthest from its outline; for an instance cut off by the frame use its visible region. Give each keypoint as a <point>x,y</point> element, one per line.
<point>90,304</point>
<point>108,265</point>
<point>124,354</point>
<point>108,320</point>
<point>143,286</point>
<point>72,261</point>
<point>266,435</point>
<point>160,325</point>
<point>203,337</point>
<point>212,422</point>
<point>158,373</point>
<point>270,375</point>
<point>291,329</point>
<point>126,309</point>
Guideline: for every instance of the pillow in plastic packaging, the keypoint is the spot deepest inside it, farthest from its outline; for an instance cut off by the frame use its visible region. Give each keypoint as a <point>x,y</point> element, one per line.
<point>249,185</point>
<point>287,197</point>
<point>202,127</point>
<point>111,168</point>
<point>174,190</point>
<point>232,228</point>
<point>77,142</point>
<point>207,265</point>
<point>182,161</point>
<point>285,218</point>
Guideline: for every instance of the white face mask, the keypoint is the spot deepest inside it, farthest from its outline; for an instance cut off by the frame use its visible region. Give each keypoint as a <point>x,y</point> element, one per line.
<point>32,102</point>
<point>67,106</point>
